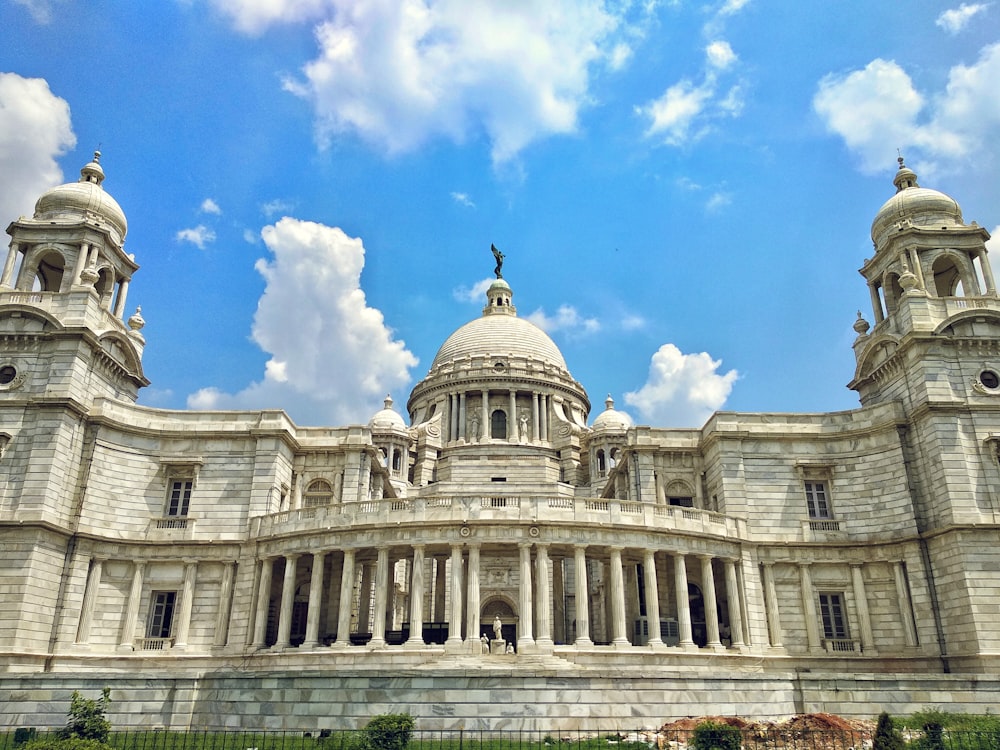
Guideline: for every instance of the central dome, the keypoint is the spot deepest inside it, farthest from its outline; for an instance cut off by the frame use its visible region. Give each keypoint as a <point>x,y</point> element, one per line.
<point>500,336</point>
<point>918,206</point>
<point>84,199</point>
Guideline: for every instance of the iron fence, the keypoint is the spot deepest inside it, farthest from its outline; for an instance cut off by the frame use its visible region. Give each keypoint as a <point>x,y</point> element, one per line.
<point>475,739</point>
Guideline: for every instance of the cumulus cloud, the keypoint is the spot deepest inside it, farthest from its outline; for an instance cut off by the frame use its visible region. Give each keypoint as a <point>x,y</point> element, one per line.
<point>673,114</point>
<point>720,55</point>
<point>209,206</point>
<point>397,73</point>
<point>567,319</point>
<point>35,129</point>
<point>474,293</point>
<point>199,235</point>
<point>332,357</point>
<point>682,390</point>
<point>956,19</point>
<point>878,109</point>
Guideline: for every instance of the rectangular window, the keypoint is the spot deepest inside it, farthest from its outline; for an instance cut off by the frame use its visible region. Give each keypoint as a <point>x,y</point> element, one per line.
<point>834,616</point>
<point>161,614</point>
<point>683,502</point>
<point>180,497</point>
<point>816,500</point>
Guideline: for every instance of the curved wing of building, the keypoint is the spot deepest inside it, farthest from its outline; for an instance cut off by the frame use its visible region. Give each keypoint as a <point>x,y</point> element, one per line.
<point>494,558</point>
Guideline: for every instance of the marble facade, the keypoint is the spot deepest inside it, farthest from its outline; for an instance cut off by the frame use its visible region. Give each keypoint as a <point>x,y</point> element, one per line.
<point>236,569</point>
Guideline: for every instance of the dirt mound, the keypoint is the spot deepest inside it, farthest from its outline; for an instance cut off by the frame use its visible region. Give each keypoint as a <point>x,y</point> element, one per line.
<point>796,725</point>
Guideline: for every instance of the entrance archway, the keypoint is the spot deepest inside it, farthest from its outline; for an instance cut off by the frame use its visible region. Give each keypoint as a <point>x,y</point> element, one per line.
<point>498,606</point>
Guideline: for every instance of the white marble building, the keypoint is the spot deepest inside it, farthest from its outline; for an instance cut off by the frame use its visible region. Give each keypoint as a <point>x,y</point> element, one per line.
<point>235,569</point>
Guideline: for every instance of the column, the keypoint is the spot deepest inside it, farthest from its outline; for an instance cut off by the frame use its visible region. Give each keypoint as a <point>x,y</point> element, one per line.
<point>904,603</point>
<point>512,431</point>
<point>473,603</point>
<point>558,601</point>
<point>876,306</point>
<point>455,620</point>
<point>381,598</point>
<point>534,417</point>
<point>120,299</point>
<point>365,599</point>
<point>344,611</point>
<point>544,417</point>
<point>618,638</point>
<point>263,602</point>
<point>809,608</point>
<point>544,597</point>
<point>452,417</point>
<point>287,599</point>
<point>315,599</point>
<point>132,607</point>
<point>439,589</point>
<point>89,600</point>
<point>771,605</point>
<point>683,604</point>
<point>711,605</point>
<point>8,266</point>
<point>462,417</point>
<point>861,604</point>
<point>417,598</point>
<point>524,629</point>
<point>984,263</point>
<point>187,604</point>
<point>582,596</point>
<point>652,598</point>
<point>735,608</point>
<point>222,617</point>
<point>487,430</point>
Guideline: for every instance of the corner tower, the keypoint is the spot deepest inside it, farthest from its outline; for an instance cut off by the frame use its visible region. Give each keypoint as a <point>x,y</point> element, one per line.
<point>936,334</point>
<point>62,297</point>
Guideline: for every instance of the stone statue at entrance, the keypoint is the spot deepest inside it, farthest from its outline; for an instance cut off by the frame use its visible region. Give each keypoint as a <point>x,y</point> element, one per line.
<point>497,629</point>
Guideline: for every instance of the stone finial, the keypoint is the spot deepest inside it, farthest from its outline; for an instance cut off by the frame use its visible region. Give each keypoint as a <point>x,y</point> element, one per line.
<point>861,325</point>
<point>136,322</point>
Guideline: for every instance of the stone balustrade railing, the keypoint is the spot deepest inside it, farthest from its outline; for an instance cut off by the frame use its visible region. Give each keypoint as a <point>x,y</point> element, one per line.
<point>501,509</point>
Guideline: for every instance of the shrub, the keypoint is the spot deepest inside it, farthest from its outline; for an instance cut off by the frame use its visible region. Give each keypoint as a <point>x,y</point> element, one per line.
<point>53,742</point>
<point>87,718</point>
<point>887,737</point>
<point>24,734</point>
<point>710,735</point>
<point>387,732</point>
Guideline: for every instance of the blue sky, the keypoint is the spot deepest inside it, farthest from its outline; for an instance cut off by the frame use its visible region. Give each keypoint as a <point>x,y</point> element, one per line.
<point>683,191</point>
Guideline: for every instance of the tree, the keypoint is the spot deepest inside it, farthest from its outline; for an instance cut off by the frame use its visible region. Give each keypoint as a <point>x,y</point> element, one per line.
<point>887,737</point>
<point>87,718</point>
<point>388,732</point>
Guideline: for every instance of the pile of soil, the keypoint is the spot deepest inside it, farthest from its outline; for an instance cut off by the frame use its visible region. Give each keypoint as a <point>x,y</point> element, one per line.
<point>783,733</point>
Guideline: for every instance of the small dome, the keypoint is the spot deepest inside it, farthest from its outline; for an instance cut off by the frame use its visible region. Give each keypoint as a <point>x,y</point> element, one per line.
<point>610,419</point>
<point>84,199</point>
<point>387,418</point>
<point>922,207</point>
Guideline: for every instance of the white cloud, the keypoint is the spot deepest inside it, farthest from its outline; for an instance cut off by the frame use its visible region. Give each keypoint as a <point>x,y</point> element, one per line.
<point>878,109</point>
<point>720,55</point>
<point>209,206</point>
<point>956,19</point>
<point>475,293</point>
<point>199,235</point>
<point>40,10</point>
<point>463,199</point>
<point>632,322</point>
<point>732,6</point>
<point>673,114</point>
<point>567,318</point>
<point>397,73</point>
<point>718,201</point>
<point>993,245</point>
<point>35,129</point>
<point>275,207</point>
<point>683,390</point>
<point>333,358</point>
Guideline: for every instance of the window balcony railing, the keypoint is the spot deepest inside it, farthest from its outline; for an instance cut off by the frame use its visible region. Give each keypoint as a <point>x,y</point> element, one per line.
<point>841,645</point>
<point>154,644</point>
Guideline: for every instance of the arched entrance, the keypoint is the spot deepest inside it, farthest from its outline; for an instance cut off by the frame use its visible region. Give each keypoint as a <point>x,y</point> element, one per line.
<point>498,606</point>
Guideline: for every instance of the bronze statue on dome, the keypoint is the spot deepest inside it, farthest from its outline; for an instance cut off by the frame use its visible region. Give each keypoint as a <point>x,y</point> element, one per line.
<point>499,256</point>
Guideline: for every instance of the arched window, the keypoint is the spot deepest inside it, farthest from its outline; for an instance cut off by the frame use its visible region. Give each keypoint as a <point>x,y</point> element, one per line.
<point>319,492</point>
<point>50,272</point>
<point>397,459</point>
<point>602,467</point>
<point>947,277</point>
<point>498,425</point>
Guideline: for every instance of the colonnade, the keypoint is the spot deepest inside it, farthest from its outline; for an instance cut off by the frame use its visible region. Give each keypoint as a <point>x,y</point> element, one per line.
<point>540,592</point>
<point>472,424</point>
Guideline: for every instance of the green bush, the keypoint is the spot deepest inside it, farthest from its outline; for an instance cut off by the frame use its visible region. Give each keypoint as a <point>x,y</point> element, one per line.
<point>710,735</point>
<point>87,718</point>
<point>387,732</point>
<point>24,734</point>
<point>887,737</point>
